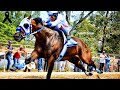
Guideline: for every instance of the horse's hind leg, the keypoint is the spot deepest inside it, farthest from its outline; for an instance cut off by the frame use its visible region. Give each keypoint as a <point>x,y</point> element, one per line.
<point>78,64</point>
<point>91,63</point>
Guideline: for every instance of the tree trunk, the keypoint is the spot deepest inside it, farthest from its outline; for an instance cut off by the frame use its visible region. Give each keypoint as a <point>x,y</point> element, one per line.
<point>104,32</point>
<point>68,16</point>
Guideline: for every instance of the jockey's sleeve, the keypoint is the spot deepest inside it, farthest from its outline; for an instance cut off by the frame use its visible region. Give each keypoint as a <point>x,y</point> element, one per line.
<point>48,20</point>
<point>55,23</point>
<point>59,20</point>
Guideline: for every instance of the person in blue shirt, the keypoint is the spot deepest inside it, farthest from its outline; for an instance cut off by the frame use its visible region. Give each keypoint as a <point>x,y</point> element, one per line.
<point>40,60</point>
<point>107,62</point>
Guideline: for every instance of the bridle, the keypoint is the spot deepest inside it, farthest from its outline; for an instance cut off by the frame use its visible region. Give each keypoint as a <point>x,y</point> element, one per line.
<point>31,33</point>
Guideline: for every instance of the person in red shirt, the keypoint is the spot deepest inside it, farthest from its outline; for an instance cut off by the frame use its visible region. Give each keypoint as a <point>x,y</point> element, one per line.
<point>17,56</point>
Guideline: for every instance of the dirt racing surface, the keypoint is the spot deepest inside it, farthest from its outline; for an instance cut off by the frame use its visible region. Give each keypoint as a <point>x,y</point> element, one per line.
<point>58,75</point>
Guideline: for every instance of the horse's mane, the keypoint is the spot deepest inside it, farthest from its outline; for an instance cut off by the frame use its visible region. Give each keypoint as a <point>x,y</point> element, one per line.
<point>38,20</point>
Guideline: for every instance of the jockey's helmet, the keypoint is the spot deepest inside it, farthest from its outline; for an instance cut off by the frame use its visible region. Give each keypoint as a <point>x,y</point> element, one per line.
<point>53,13</point>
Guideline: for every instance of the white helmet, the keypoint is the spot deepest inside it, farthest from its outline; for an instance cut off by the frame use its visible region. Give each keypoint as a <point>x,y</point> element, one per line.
<point>52,13</point>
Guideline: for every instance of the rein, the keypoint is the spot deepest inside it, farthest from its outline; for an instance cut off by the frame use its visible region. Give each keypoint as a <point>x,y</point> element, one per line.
<point>27,37</point>
<point>37,31</point>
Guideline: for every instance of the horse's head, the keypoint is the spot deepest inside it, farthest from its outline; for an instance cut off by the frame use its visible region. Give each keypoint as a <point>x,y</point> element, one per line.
<point>26,27</point>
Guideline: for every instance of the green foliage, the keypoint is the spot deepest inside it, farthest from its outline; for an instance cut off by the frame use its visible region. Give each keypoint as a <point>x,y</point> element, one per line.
<point>96,23</point>
<point>6,32</point>
<point>86,32</point>
<point>8,29</point>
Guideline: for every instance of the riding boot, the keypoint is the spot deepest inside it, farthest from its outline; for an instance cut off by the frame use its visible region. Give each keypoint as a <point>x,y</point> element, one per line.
<point>67,35</point>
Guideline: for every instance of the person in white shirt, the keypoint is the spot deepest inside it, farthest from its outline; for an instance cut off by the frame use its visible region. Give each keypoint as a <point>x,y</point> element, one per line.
<point>57,22</point>
<point>62,66</point>
<point>102,61</point>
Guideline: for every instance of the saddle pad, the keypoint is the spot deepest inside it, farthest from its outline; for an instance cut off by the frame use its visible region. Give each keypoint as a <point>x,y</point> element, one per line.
<point>71,43</point>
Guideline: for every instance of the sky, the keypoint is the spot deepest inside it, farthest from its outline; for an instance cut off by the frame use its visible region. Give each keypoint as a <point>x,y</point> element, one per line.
<point>43,15</point>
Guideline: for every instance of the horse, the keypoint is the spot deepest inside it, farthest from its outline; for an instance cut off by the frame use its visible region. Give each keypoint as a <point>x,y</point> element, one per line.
<point>49,44</point>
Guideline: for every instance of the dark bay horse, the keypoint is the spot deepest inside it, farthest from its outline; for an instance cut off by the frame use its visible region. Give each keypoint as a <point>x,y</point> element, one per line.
<point>49,43</point>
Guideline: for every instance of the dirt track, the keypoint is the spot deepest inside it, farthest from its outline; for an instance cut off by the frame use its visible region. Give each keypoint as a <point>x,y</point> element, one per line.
<point>58,75</point>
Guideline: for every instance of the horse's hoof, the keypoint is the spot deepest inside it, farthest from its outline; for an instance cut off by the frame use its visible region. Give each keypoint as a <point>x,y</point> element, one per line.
<point>101,71</point>
<point>98,71</point>
<point>88,73</point>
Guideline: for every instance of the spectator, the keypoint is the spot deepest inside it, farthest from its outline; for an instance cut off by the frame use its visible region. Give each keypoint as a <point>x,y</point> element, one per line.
<point>40,61</point>
<point>17,55</point>
<point>102,61</point>
<point>107,62</point>
<point>9,53</point>
<point>118,63</point>
<point>62,66</point>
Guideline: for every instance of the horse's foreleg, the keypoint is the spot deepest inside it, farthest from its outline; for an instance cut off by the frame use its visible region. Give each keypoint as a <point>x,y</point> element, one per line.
<point>50,67</point>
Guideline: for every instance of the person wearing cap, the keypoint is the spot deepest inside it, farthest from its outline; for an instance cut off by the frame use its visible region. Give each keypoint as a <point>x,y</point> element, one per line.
<point>57,22</point>
<point>9,53</point>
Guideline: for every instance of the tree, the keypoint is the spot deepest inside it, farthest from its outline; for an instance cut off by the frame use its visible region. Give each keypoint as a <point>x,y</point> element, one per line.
<point>80,20</point>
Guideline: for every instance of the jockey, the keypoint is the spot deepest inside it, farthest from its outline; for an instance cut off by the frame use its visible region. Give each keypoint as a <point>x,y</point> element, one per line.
<point>56,20</point>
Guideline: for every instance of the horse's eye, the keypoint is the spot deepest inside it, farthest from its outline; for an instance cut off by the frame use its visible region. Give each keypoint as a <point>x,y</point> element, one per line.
<point>26,25</point>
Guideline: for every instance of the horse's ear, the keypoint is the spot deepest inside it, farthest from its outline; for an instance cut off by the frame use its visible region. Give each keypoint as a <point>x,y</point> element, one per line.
<point>29,17</point>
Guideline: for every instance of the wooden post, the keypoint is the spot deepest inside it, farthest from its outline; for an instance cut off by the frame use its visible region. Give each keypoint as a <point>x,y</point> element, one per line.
<point>118,63</point>
<point>4,68</point>
<point>4,64</point>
